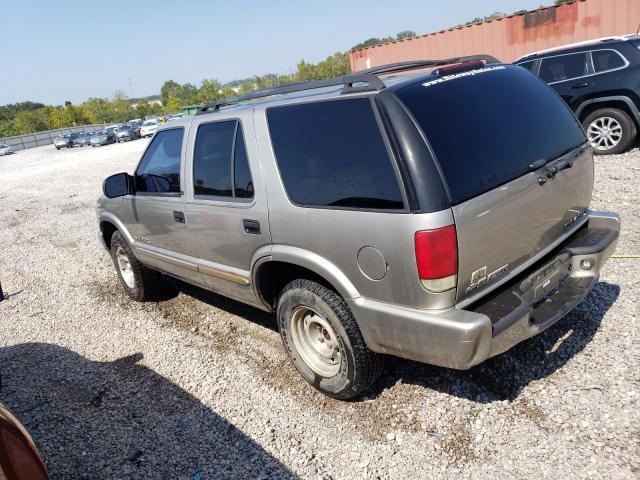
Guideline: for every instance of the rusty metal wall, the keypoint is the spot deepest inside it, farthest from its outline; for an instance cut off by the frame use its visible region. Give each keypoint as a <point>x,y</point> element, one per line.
<point>511,37</point>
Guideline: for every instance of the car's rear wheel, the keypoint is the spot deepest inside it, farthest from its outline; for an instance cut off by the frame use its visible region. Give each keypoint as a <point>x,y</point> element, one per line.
<point>139,282</point>
<point>609,130</point>
<point>324,341</point>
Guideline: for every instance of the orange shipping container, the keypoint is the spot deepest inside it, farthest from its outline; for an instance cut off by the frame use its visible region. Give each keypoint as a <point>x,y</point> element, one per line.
<point>511,37</point>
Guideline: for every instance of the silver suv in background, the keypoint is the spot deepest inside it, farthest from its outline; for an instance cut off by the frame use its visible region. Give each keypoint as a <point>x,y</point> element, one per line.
<point>441,217</point>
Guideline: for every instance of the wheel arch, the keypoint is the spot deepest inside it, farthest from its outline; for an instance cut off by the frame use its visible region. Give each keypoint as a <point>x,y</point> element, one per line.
<point>109,224</point>
<point>276,266</point>
<point>621,102</point>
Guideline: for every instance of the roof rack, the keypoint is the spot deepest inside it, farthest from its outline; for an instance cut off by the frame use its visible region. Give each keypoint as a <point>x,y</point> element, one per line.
<point>364,81</point>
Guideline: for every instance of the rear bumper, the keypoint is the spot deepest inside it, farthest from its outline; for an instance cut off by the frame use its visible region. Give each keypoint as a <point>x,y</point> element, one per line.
<point>535,300</point>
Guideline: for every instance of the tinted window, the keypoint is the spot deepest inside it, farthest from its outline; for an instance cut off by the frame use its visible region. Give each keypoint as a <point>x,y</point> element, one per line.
<point>487,128</point>
<point>332,154</point>
<point>527,65</point>
<point>604,60</point>
<point>563,67</point>
<point>159,169</point>
<point>216,145</point>
<point>243,184</point>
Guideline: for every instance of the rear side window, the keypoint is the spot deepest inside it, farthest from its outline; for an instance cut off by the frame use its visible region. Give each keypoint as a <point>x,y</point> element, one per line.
<point>486,129</point>
<point>528,65</point>
<point>332,154</point>
<point>159,169</point>
<point>564,67</point>
<point>604,60</point>
<point>220,164</point>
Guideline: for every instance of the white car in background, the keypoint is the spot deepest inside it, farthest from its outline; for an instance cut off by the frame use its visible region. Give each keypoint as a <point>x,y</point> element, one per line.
<point>5,149</point>
<point>149,127</point>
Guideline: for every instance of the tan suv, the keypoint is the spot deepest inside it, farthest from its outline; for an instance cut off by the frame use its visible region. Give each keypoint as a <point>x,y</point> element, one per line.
<point>440,216</point>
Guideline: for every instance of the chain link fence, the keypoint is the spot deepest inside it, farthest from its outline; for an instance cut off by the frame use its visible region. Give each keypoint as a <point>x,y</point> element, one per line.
<point>47,137</point>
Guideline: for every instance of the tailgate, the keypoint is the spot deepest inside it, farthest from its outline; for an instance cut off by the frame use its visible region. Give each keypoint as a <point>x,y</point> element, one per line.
<point>506,229</point>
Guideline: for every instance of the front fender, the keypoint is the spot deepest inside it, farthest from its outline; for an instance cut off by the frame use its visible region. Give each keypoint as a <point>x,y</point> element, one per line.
<point>113,219</point>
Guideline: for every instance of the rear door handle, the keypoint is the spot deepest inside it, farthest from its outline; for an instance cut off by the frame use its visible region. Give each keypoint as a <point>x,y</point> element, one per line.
<point>251,226</point>
<point>580,85</point>
<point>179,217</point>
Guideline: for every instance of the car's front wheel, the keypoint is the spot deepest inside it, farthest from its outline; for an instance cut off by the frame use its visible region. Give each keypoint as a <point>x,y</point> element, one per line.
<point>324,341</point>
<point>609,130</point>
<point>141,283</point>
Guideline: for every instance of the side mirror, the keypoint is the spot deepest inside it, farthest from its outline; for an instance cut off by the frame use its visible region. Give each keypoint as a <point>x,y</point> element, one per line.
<point>118,185</point>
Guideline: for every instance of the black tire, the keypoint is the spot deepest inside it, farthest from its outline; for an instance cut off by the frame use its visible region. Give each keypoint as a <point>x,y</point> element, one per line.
<point>359,366</point>
<point>628,129</point>
<point>57,148</point>
<point>148,284</point>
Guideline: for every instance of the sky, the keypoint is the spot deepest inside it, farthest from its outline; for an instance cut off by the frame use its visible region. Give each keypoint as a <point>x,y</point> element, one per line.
<point>53,51</point>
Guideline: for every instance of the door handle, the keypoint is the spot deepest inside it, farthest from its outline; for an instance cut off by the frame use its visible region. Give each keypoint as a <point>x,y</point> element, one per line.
<point>251,226</point>
<point>179,217</point>
<point>580,85</point>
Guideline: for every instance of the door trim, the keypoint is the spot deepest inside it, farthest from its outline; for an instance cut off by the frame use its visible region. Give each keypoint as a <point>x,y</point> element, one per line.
<point>224,274</point>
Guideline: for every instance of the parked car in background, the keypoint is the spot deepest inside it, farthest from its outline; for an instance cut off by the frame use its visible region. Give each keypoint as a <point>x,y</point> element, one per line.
<point>136,124</point>
<point>85,138</point>
<point>6,149</point>
<point>280,203</point>
<point>76,139</point>
<point>19,456</point>
<point>103,137</point>
<point>125,133</point>
<point>599,79</point>
<point>62,141</point>
<point>149,127</point>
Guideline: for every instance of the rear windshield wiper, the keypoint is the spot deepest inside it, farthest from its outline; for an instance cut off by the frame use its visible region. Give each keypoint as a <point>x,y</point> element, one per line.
<point>543,161</point>
<point>538,164</point>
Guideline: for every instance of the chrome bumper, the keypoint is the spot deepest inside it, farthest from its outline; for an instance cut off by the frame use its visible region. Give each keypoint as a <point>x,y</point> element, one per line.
<point>535,300</point>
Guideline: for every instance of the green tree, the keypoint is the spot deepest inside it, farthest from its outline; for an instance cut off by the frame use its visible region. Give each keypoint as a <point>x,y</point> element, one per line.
<point>209,91</point>
<point>172,106</point>
<point>170,88</point>
<point>31,121</point>
<point>406,34</point>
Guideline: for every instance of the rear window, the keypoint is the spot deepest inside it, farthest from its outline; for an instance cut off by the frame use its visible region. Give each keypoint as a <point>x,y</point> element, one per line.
<point>487,128</point>
<point>604,60</point>
<point>528,65</point>
<point>332,154</point>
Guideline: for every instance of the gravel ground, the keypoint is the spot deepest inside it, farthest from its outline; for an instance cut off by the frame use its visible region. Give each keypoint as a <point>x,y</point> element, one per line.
<point>198,384</point>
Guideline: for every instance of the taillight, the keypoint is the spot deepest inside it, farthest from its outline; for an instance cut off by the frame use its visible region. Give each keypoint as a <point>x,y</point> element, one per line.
<point>437,258</point>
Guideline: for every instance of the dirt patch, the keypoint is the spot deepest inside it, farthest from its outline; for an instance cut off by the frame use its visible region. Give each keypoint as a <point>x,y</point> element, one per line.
<point>457,443</point>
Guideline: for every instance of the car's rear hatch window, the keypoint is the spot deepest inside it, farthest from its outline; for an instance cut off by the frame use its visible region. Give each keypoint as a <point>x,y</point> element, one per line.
<point>487,127</point>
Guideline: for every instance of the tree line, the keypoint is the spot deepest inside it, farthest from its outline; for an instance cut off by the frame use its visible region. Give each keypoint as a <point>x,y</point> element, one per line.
<point>29,117</point>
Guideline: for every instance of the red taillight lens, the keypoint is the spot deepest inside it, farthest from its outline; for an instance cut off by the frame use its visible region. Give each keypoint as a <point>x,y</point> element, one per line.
<point>437,253</point>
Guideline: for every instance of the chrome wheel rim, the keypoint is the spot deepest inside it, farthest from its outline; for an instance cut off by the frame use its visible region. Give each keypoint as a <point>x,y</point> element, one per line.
<point>124,265</point>
<point>315,341</point>
<point>604,133</point>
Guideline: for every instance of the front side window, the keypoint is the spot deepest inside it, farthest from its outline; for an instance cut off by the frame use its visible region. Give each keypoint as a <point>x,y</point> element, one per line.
<point>220,164</point>
<point>604,60</point>
<point>564,67</point>
<point>332,154</point>
<point>159,169</point>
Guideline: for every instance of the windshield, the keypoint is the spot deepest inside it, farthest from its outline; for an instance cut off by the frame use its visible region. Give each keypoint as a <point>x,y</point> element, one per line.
<point>148,123</point>
<point>487,126</point>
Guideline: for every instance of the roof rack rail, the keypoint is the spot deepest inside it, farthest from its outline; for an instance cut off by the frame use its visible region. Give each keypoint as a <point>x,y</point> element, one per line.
<point>368,77</point>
